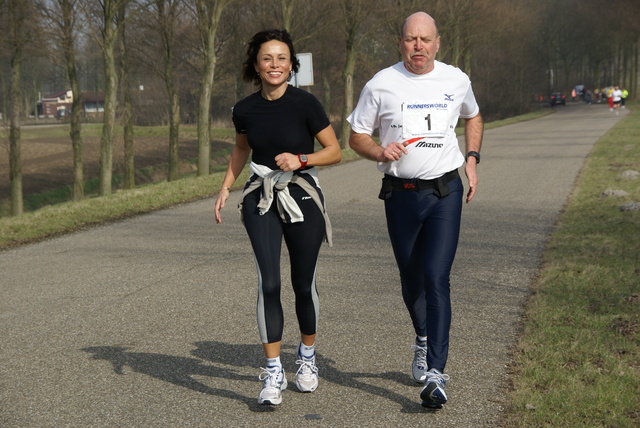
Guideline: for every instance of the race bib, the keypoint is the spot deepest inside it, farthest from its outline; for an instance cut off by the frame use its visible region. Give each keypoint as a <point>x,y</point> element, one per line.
<point>425,119</point>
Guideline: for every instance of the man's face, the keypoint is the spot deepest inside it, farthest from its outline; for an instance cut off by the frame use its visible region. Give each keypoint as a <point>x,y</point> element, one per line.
<point>419,45</point>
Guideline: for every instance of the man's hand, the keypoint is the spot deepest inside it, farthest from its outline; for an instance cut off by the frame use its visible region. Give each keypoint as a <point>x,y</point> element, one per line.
<point>470,171</point>
<point>393,152</point>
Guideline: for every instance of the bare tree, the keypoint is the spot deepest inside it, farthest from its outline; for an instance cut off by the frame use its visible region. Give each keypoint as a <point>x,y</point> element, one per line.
<point>18,13</point>
<point>459,27</point>
<point>129,181</point>
<point>398,10</point>
<point>111,16</point>
<point>288,7</point>
<point>303,18</point>
<point>157,49</point>
<point>580,41</point>
<point>63,18</point>
<point>354,15</point>
<point>235,22</point>
<point>166,15</point>
<point>105,13</point>
<point>208,13</point>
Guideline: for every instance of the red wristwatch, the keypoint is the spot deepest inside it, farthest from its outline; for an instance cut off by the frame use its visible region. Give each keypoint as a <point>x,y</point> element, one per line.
<point>303,160</point>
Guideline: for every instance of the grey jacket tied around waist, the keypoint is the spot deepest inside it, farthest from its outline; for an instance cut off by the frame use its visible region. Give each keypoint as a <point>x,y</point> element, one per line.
<point>275,186</point>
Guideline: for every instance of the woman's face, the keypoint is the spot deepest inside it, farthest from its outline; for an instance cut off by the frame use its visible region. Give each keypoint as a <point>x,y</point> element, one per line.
<point>274,63</point>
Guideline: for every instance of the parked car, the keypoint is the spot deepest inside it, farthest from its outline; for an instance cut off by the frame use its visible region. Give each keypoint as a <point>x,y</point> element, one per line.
<point>556,98</point>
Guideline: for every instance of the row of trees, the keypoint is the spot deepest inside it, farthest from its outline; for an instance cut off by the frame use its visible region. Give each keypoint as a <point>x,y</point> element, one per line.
<point>178,61</point>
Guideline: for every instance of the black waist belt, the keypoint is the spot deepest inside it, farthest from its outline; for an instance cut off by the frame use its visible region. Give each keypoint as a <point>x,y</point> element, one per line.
<point>439,185</point>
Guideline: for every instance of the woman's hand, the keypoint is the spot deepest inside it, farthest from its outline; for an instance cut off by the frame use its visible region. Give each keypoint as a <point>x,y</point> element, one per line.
<point>237,160</point>
<point>223,195</point>
<point>288,162</point>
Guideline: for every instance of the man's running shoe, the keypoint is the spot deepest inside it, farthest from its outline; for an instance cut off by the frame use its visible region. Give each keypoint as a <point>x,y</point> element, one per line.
<point>307,375</point>
<point>419,364</point>
<point>433,395</point>
<point>274,383</point>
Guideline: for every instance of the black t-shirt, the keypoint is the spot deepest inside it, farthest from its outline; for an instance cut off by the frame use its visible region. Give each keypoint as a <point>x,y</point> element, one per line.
<point>287,124</point>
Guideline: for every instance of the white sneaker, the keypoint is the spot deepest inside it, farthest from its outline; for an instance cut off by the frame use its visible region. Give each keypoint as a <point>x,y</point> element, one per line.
<point>419,364</point>
<point>433,395</point>
<point>307,375</point>
<point>274,383</point>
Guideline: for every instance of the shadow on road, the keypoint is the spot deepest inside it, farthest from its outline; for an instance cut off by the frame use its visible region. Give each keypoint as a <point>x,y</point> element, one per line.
<point>175,370</point>
<point>180,371</point>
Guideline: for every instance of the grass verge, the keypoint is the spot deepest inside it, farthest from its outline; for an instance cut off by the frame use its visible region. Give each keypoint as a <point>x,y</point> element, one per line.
<point>67,217</point>
<point>61,218</point>
<point>577,361</point>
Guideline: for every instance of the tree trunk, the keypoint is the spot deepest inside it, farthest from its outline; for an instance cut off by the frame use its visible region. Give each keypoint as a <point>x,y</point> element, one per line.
<point>66,7</point>
<point>109,36</point>
<point>635,73</point>
<point>209,13</point>
<point>352,22</point>
<point>166,15</point>
<point>127,107</point>
<point>456,43</point>
<point>326,84</point>
<point>204,112</point>
<point>15,145</point>
<point>347,107</point>
<point>287,14</point>
<point>16,20</point>
<point>174,134</point>
<point>207,37</point>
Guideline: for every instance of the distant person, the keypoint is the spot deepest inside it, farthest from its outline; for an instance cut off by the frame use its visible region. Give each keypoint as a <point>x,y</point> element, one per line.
<point>415,105</point>
<point>610,90</point>
<point>625,94</point>
<point>277,125</point>
<point>617,99</point>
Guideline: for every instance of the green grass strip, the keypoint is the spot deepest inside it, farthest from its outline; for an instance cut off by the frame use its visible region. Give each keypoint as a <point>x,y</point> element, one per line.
<point>71,216</point>
<point>577,362</point>
<point>54,220</point>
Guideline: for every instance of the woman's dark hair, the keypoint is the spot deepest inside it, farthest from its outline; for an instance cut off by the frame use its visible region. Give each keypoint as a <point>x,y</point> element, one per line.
<point>248,68</point>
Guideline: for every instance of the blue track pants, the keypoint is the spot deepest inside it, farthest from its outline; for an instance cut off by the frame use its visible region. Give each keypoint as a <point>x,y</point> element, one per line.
<point>424,232</point>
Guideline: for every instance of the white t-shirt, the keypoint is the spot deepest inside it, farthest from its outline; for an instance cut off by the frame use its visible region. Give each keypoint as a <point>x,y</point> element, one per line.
<point>420,108</point>
<point>617,95</point>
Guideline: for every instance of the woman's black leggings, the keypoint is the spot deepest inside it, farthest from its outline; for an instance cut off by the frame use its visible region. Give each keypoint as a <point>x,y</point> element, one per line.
<point>303,242</point>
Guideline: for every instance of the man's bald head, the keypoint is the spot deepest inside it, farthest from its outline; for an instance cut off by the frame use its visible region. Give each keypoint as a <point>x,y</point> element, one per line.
<point>419,43</point>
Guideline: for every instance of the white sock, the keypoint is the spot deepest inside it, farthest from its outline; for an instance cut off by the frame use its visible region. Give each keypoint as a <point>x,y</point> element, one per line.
<point>421,340</point>
<point>274,362</point>
<point>306,351</point>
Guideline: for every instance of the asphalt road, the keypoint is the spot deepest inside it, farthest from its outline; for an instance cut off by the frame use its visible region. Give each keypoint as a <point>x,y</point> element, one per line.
<point>151,321</point>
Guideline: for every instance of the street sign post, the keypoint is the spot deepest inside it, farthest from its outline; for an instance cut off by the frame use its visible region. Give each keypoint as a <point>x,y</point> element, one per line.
<point>304,76</point>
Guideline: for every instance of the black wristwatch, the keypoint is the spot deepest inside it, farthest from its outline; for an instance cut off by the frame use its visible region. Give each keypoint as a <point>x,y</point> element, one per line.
<point>475,155</point>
